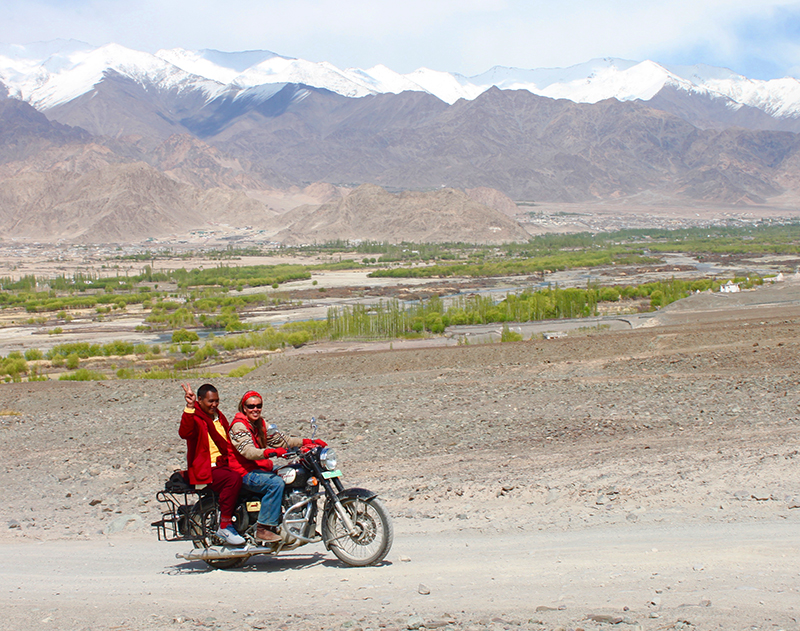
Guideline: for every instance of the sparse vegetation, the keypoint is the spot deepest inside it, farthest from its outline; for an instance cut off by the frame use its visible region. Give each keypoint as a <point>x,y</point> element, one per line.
<point>508,335</point>
<point>14,367</point>
<point>82,374</point>
<point>179,301</point>
<point>241,371</point>
<point>388,320</point>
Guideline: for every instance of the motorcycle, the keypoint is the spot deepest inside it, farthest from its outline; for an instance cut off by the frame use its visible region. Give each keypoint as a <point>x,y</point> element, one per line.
<point>353,522</point>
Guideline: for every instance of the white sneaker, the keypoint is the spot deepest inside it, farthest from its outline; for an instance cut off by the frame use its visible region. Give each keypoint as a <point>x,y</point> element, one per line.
<point>230,536</point>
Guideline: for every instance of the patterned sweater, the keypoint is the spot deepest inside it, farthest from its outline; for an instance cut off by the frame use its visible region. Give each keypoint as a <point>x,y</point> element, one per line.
<point>244,441</point>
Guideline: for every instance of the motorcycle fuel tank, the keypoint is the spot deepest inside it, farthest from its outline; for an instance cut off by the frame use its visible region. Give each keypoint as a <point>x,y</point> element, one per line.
<point>294,475</point>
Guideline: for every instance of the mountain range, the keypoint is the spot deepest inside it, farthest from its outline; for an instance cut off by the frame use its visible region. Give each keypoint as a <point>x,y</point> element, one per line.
<point>101,143</point>
<point>49,74</point>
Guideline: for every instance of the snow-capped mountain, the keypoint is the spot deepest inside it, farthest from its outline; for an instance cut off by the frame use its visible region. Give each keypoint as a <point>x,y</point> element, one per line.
<point>50,76</point>
<point>53,73</point>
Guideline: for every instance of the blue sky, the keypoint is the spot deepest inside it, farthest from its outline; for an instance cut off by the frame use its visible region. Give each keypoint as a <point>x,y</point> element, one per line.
<point>760,39</point>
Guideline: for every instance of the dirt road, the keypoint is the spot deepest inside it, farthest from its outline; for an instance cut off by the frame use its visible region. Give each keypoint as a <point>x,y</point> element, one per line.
<point>649,577</point>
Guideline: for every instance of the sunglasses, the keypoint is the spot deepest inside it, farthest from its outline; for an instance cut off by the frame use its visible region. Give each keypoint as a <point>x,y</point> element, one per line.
<point>254,406</point>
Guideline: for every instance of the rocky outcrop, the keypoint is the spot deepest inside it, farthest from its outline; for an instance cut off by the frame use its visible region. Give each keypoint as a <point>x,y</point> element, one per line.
<point>369,213</point>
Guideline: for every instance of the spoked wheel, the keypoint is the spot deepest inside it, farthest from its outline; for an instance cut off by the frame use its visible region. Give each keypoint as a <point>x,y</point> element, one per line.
<point>202,526</point>
<point>373,537</point>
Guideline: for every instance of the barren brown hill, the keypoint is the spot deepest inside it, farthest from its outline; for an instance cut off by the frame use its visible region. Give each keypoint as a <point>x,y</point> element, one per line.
<point>116,203</point>
<point>717,112</point>
<point>371,213</point>
<point>493,198</point>
<point>187,159</point>
<point>119,106</point>
<point>527,146</point>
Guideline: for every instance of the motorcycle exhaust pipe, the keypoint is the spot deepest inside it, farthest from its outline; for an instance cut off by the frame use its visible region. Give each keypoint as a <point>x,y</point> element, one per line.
<point>206,554</point>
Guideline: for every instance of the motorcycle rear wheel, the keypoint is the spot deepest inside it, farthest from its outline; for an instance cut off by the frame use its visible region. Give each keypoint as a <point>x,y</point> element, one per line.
<point>202,526</point>
<point>373,538</point>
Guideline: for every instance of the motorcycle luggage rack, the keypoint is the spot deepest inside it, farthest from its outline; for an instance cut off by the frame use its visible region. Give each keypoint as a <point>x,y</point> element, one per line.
<point>174,522</point>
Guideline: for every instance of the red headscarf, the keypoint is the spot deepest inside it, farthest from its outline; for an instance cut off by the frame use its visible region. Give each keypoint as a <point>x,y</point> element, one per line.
<point>248,394</point>
<point>260,429</point>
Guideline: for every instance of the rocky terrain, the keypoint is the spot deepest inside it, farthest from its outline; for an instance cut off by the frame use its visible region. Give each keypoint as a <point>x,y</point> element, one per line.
<point>369,213</point>
<point>645,478</point>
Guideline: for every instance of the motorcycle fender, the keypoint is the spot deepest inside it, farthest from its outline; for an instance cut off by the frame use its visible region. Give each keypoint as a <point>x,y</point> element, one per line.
<point>362,494</point>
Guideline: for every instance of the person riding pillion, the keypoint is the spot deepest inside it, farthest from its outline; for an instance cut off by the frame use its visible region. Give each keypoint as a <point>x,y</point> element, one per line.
<point>253,448</point>
<point>209,454</point>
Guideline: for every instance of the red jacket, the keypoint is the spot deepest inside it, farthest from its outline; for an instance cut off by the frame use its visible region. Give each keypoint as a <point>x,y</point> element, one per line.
<point>196,428</point>
<point>239,462</point>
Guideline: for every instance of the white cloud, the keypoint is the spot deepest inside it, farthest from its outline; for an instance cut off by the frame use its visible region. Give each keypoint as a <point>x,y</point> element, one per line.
<point>465,36</point>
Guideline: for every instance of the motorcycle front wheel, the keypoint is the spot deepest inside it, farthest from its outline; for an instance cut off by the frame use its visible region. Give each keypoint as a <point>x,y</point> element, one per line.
<point>202,526</point>
<point>373,537</point>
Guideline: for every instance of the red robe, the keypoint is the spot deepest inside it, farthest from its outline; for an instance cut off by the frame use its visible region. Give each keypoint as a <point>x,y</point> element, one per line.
<point>197,428</point>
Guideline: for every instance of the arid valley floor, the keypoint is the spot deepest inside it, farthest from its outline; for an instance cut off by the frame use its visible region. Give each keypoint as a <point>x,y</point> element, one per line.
<point>643,479</point>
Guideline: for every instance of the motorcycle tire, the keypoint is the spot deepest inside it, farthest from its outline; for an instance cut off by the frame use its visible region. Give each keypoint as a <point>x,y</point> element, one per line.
<point>371,543</point>
<point>202,526</point>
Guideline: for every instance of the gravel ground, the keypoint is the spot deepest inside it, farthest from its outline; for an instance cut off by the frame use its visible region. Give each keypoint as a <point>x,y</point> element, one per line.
<point>681,427</point>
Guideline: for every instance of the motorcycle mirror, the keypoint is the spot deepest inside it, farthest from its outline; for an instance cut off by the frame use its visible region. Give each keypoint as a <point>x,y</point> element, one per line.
<point>272,429</point>
<point>313,427</point>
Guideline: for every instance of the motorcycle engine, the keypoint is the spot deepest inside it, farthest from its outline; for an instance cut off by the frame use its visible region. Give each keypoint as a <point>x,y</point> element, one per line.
<point>294,497</point>
<point>302,520</point>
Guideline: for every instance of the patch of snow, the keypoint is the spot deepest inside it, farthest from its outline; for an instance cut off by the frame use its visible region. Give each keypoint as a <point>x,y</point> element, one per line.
<point>779,97</point>
<point>195,63</point>
<point>317,75</point>
<point>448,87</point>
<point>382,80</point>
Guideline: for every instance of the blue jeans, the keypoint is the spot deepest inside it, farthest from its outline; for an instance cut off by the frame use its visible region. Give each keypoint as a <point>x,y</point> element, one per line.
<point>270,487</point>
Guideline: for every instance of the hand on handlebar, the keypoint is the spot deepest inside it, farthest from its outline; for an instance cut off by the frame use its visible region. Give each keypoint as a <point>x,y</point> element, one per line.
<point>278,452</point>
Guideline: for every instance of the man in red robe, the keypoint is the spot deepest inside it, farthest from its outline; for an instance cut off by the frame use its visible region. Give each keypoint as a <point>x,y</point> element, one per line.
<point>205,430</point>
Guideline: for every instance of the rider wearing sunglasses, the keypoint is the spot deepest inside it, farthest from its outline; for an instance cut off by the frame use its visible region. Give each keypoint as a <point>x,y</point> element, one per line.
<point>253,450</point>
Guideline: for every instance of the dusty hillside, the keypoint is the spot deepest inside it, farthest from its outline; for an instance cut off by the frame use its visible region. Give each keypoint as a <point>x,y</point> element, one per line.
<point>493,199</point>
<point>371,213</point>
<point>672,433</point>
<point>734,383</point>
<point>117,204</point>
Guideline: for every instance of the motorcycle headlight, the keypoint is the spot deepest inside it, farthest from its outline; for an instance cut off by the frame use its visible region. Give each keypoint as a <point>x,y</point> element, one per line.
<point>327,458</point>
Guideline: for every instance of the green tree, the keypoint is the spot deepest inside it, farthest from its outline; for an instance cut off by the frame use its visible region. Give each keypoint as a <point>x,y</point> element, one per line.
<point>657,298</point>
<point>182,335</point>
<point>72,361</point>
<point>510,336</point>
